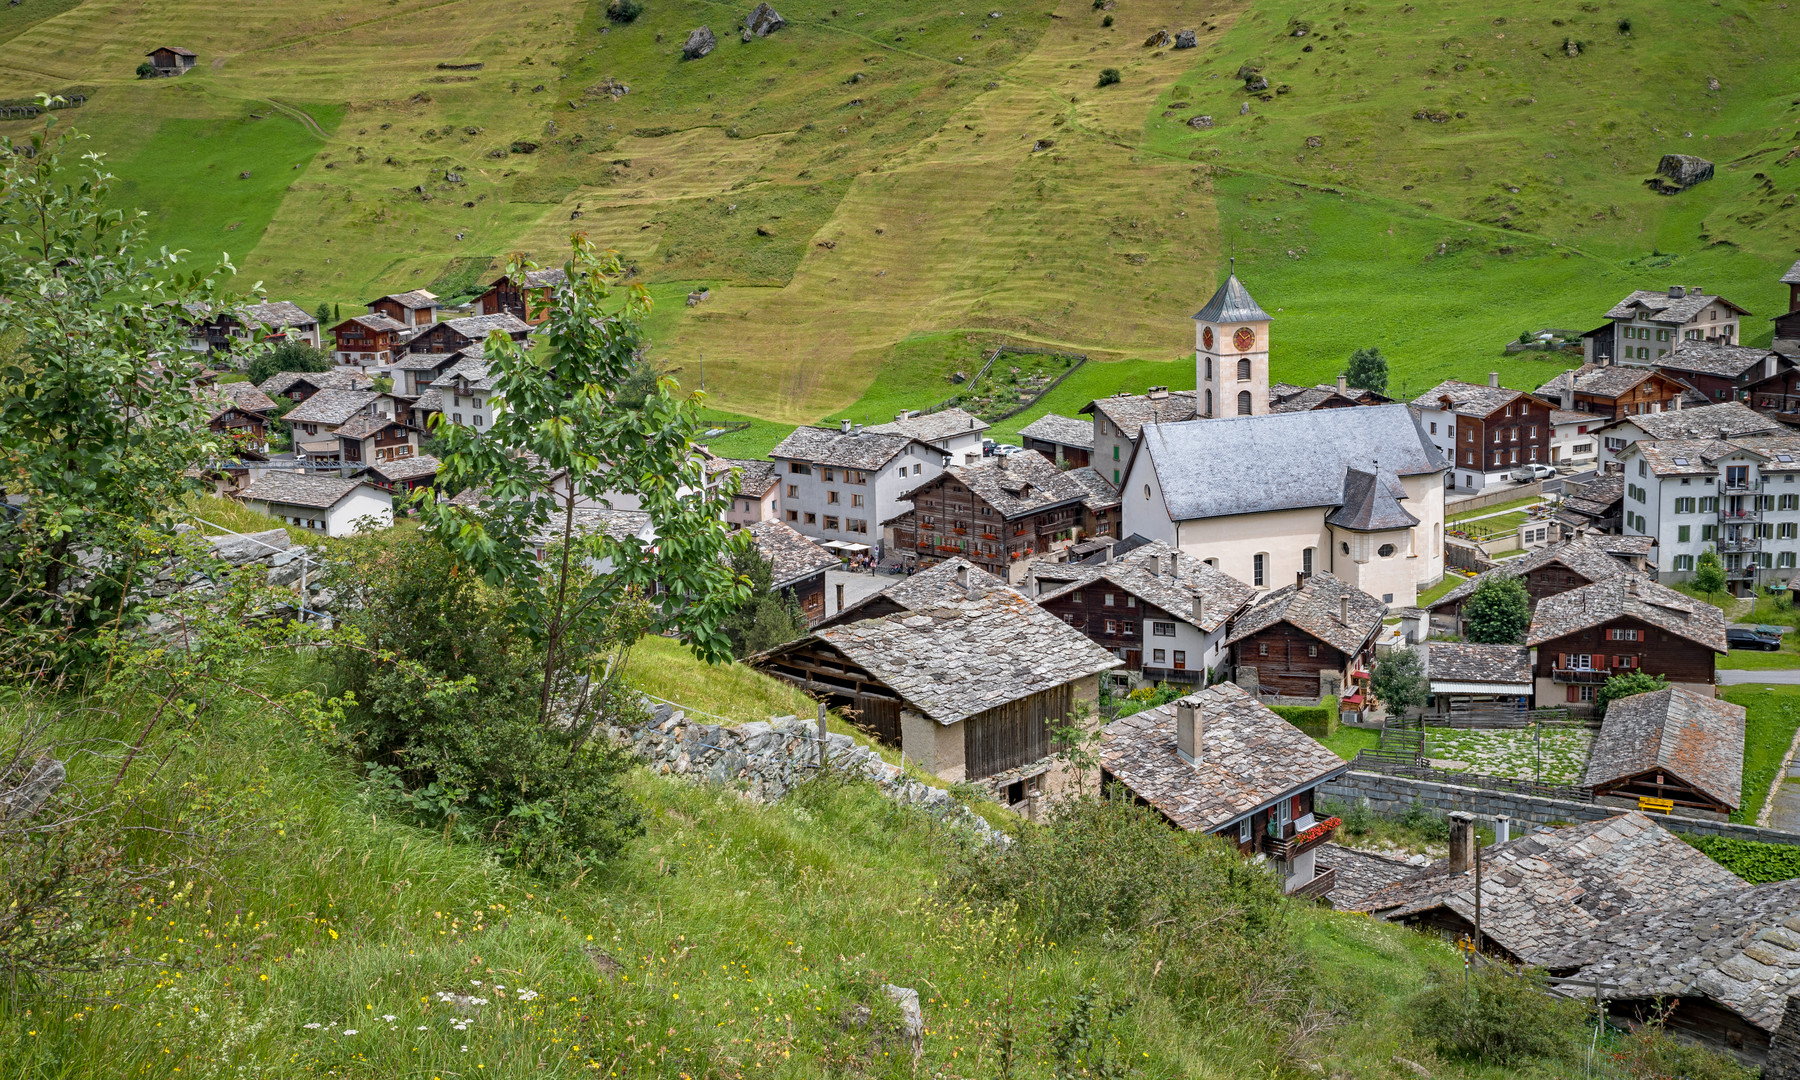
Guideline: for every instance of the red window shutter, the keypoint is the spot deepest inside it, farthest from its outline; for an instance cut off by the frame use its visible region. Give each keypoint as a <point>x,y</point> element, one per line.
<point>1562,661</point>
<point>1574,693</point>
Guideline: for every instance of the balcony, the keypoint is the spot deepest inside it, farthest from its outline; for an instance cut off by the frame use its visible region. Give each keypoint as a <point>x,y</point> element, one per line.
<point>1320,886</point>
<point>1174,675</point>
<point>1299,843</point>
<point>1740,514</point>
<point>1741,573</point>
<point>1580,677</point>
<point>1742,485</point>
<point>1740,543</point>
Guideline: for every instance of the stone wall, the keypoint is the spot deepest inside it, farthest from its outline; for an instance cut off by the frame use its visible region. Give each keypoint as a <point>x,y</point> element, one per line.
<point>1784,1048</point>
<point>1391,796</point>
<point>765,761</point>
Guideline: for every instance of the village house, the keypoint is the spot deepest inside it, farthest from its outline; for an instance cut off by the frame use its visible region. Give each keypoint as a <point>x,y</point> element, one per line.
<point>1647,325</point>
<point>300,385</point>
<point>463,394</point>
<point>1718,370</point>
<point>460,335</point>
<point>998,514</point>
<point>1468,680</point>
<point>957,433</point>
<point>842,484</point>
<point>1286,397</point>
<point>1485,432</point>
<point>1572,439</point>
<point>240,412</point>
<point>414,372</point>
<point>755,494</point>
<point>1569,564</point>
<point>1613,391</point>
<point>410,309</point>
<point>1670,744</point>
<point>1100,511</point>
<point>798,565</point>
<point>1063,439</point>
<point>171,60</point>
<point>525,299</point>
<point>1163,613</point>
<point>1119,419</point>
<point>1308,641</point>
<point>1740,498</point>
<point>369,440</point>
<point>1231,353</point>
<point>332,505</point>
<point>231,331</point>
<point>1358,493</point>
<point>401,475</point>
<point>1585,636</point>
<point>283,320</point>
<point>953,579</point>
<point>969,689</point>
<point>1596,506</point>
<point>315,421</point>
<point>371,342</point>
<point>1221,762</point>
<point>232,471</point>
<point>1726,420</point>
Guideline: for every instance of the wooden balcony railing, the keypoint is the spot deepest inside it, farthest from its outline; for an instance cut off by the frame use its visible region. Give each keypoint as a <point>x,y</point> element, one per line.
<point>1597,676</point>
<point>1319,886</point>
<point>1299,843</point>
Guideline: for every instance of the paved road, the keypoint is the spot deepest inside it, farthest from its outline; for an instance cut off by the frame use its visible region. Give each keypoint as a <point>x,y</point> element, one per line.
<point>1777,677</point>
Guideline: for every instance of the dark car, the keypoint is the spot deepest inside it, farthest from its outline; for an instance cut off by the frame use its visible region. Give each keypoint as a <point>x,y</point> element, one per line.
<point>1750,639</point>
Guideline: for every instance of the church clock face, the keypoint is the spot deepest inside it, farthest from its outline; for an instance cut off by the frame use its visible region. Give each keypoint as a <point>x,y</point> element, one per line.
<point>1244,339</point>
<point>1206,338</point>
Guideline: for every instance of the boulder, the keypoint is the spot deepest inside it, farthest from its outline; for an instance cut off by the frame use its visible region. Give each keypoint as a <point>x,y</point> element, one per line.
<point>1185,39</point>
<point>698,44</point>
<point>1313,142</point>
<point>1200,123</point>
<point>912,1018</point>
<point>253,547</point>
<point>1256,84</point>
<point>763,21</point>
<point>1678,172</point>
<point>1158,40</point>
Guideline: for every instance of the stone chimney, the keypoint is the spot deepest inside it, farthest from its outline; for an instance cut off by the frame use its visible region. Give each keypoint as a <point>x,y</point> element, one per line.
<point>1174,564</point>
<point>962,576</point>
<point>1493,378</point>
<point>1344,609</point>
<point>1462,841</point>
<point>1676,292</point>
<point>1502,828</point>
<point>1190,728</point>
<point>1200,610</point>
<point>1768,366</point>
<point>844,427</point>
<point>1344,385</point>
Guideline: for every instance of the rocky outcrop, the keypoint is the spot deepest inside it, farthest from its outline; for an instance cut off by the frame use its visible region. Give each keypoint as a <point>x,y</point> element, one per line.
<point>698,44</point>
<point>763,21</point>
<point>1200,123</point>
<point>1157,40</point>
<point>1676,173</point>
<point>1185,39</point>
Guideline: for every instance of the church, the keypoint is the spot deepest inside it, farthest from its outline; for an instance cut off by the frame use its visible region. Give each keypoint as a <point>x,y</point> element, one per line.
<point>1231,353</point>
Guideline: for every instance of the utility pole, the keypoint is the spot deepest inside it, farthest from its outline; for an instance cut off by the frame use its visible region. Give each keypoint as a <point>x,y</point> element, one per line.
<point>1477,887</point>
<point>824,745</point>
<point>703,372</point>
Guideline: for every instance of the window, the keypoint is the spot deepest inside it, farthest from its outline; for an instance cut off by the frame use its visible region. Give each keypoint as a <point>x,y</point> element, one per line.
<point>812,518</point>
<point>1386,551</point>
<point>1209,367</point>
<point>828,475</point>
<point>1115,475</point>
<point>1709,504</point>
<point>1623,635</point>
<point>1434,428</point>
<point>1159,656</point>
<point>477,419</point>
<point>1684,506</point>
<point>1709,533</point>
<point>831,497</point>
<point>793,491</point>
<point>1785,560</point>
<point>1127,628</point>
<point>1243,371</point>
<point>1112,626</point>
<point>856,500</point>
<point>1108,601</point>
<point>1684,562</point>
<point>1162,629</point>
<point>1312,649</point>
<point>1787,530</point>
<point>1306,561</point>
<point>856,525</point>
<point>799,467</point>
<point>1344,546</point>
<point>1244,403</point>
<point>793,515</point>
<point>1209,403</point>
<point>1244,831</point>
<point>1258,565</point>
<point>1115,451</point>
<point>917,469</point>
<point>1146,491</point>
<point>831,522</point>
<point>455,418</point>
<point>1262,648</point>
<point>1681,533</point>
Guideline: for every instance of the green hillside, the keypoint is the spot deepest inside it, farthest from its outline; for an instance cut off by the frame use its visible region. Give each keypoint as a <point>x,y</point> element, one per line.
<point>1433,179</point>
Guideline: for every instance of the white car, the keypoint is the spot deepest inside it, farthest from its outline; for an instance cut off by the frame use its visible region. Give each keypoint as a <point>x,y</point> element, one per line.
<point>1534,472</point>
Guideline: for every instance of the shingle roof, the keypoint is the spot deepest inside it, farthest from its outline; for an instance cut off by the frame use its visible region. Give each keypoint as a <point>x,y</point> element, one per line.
<point>1248,758</point>
<point>1683,457</point>
<point>301,489</point>
<point>534,278</point>
<point>1300,398</point>
<point>1130,412</point>
<point>1725,420</point>
<point>1101,494</point>
<point>928,588</point>
<point>471,370</point>
<point>1469,662</point>
<point>755,477</point>
<point>1014,484</point>
<point>1629,595</point>
<point>1712,358</point>
<point>176,49</point>
<point>239,395</point>
<point>865,450</point>
<point>1147,573</point>
<point>790,555</point>
<point>1585,555</point>
<point>1595,496</point>
<point>1316,607</point>
<point>1613,544</point>
<point>332,406</point>
<point>374,321</point>
<point>430,361</point>
<point>1741,948</point>
<point>1792,277</point>
<point>406,468</point>
<point>480,326</point>
<point>1371,503</point>
<point>1466,399</point>
<point>335,379</point>
<point>1062,430</point>
<point>278,314</point>
<point>1697,738</point>
<point>590,520</point>
<point>430,401</point>
<point>361,427</point>
<point>1545,892</point>
<point>966,655</point>
<point>1232,303</point>
<point>1602,381</point>
<point>930,427</point>
<point>1661,307</point>
<point>1283,461</point>
<point>417,298</point>
<point>1576,416</point>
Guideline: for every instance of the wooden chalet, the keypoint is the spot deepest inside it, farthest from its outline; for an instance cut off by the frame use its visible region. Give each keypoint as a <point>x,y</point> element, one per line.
<point>461,335</point>
<point>1627,623</point>
<point>410,309</point>
<point>996,513</point>
<point>369,340</point>
<point>1670,744</point>
<point>1488,428</point>
<point>172,60</point>
<point>402,475</point>
<point>297,386</point>
<point>1721,371</point>
<point>1546,571</point>
<point>370,439</point>
<point>1286,397</point>
<point>240,412</point>
<point>1613,390</point>
<point>524,299</point>
<point>1063,439</point>
<point>798,565</point>
<point>1307,641</point>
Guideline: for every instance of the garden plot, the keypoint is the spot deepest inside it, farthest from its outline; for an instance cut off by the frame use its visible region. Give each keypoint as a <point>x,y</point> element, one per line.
<point>1560,758</point>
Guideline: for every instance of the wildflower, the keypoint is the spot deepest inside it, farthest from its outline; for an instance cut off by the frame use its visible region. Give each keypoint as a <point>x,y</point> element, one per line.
<point>474,982</point>
<point>314,1027</point>
<point>349,1031</point>
<point>527,995</point>
<point>421,1027</point>
<point>389,1017</point>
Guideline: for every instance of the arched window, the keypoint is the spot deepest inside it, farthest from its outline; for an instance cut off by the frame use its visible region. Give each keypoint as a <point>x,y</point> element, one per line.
<point>1209,367</point>
<point>1258,569</point>
<point>1243,403</point>
<point>1243,370</point>
<point>1306,561</point>
<point>1209,402</point>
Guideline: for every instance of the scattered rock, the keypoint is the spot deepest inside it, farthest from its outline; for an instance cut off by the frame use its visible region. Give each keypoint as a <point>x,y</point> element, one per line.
<point>1245,111</point>
<point>609,87</point>
<point>912,1018</point>
<point>856,77</point>
<point>1158,40</point>
<point>1413,1067</point>
<point>1677,172</point>
<point>1185,39</point>
<point>763,21</point>
<point>1042,144</point>
<point>1200,123</point>
<point>453,178</point>
<point>245,175</point>
<point>38,784</point>
<point>698,44</point>
<point>524,146</point>
<point>1313,142</point>
<point>763,230</point>
<point>744,34</point>
<point>1436,116</point>
<point>604,964</point>
<point>460,67</point>
<point>1256,84</point>
<point>1712,83</point>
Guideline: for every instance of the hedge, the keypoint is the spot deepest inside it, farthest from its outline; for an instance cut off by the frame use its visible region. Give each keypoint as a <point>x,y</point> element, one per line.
<point>1752,860</point>
<point>1319,721</point>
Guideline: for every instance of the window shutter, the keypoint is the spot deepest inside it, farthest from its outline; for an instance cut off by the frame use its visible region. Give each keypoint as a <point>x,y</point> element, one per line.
<point>1574,693</point>
<point>1562,661</point>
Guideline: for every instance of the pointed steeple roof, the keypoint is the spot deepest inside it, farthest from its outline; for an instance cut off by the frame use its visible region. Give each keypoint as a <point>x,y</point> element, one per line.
<point>1232,303</point>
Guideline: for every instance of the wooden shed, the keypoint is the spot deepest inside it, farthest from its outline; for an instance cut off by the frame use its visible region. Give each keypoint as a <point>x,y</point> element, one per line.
<point>171,60</point>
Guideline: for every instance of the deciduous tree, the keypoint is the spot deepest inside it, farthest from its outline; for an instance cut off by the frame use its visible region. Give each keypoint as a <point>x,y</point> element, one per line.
<point>1368,370</point>
<point>1498,612</point>
<point>1399,681</point>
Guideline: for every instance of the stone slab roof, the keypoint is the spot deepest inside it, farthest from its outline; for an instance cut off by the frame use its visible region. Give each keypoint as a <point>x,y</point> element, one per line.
<point>930,427</point>
<point>332,407</point>
<point>472,370</point>
<point>1595,496</point>
<point>535,278</point>
<point>1371,503</point>
<point>1602,381</point>
<point>1576,416</point>
<point>1282,461</point>
<point>929,588</point>
<point>238,395</point>
<point>1315,607</point>
<point>1792,277</point>
<point>361,427</point>
<point>755,477</point>
<point>1740,948</point>
<point>1062,430</point>
<point>1232,303</point>
<point>1585,555</point>
<point>406,468</point>
<point>1663,308</point>
<point>278,314</point>
<point>1725,420</point>
<point>1467,399</point>
<point>1101,494</point>
<point>429,361</point>
<point>1130,412</point>
<point>1636,546</point>
<point>301,489</point>
<point>480,326</point>
<point>1545,892</point>
<point>374,321</point>
<point>865,450</point>
<point>429,402</point>
<point>1248,758</point>
<point>1683,457</point>
<point>335,379</point>
<point>1470,662</point>
<point>617,525</point>
<point>966,655</point>
<point>1360,874</point>
<point>1161,576</point>
<point>1015,485</point>
<point>1628,595</point>
<point>1697,738</point>
<point>417,298</point>
<point>1712,358</point>
<point>791,556</point>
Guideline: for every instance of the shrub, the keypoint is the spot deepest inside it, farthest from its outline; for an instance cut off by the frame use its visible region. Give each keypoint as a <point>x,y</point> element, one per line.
<point>1429,825</point>
<point>146,70</point>
<point>1368,370</point>
<point>1108,21</point>
<point>1399,681</point>
<point>1497,1015</point>
<point>1752,860</point>
<point>1108,76</point>
<point>1709,573</point>
<point>1651,1053</point>
<point>1627,685</point>
<point>624,11</point>
<point>1319,721</point>
<point>768,618</point>
<point>1498,612</point>
<point>1625,26</point>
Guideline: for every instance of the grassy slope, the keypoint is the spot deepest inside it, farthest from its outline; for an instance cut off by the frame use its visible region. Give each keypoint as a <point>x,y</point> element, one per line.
<point>1774,714</point>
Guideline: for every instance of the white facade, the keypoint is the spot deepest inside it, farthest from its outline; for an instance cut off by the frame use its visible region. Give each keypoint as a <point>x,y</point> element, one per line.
<point>1643,340</point>
<point>1231,367</point>
<point>340,519</point>
<point>825,502</point>
<point>1574,439</point>
<point>1745,506</point>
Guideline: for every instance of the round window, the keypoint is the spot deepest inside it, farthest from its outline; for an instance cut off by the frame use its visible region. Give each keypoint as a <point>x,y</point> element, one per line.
<point>1206,338</point>
<point>1385,551</point>
<point>1244,339</point>
<point>1344,545</point>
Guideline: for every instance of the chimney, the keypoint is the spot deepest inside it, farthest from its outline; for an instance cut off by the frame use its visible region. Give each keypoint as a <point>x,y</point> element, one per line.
<point>1769,366</point>
<point>1299,579</point>
<point>1344,385</point>
<point>899,416</point>
<point>1631,586</point>
<point>962,576</point>
<point>1200,610</point>
<point>1502,828</point>
<point>1677,406</point>
<point>1190,727</point>
<point>1344,609</point>
<point>844,427</point>
<point>1676,292</point>
<point>1462,841</point>
<point>1174,564</point>
<point>1695,290</point>
<point>1493,378</point>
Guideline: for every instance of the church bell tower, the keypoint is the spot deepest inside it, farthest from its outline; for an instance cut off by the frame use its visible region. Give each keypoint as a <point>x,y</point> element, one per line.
<point>1231,353</point>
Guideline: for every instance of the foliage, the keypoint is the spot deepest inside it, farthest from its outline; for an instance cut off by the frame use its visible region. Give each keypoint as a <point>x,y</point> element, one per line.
<point>289,356</point>
<point>1318,721</point>
<point>1368,370</point>
<point>1108,76</point>
<point>1709,573</point>
<point>97,422</point>
<point>1420,819</point>
<point>1398,680</point>
<point>767,618</point>
<point>1498,612</point>
<point>1636,681</point>
<point>1107,21</point>
<point>1649,1052</point>
<point>1083,1044</point>
<point>146,70</point>
<point>1752,860</point>
<point>1149,697</point>
<point>624,11</point>
<point>1498,1015</point>
<point>324,315</point>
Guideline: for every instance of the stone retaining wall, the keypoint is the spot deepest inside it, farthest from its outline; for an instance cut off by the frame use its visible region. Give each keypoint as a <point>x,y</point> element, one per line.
<point>1392,796</point>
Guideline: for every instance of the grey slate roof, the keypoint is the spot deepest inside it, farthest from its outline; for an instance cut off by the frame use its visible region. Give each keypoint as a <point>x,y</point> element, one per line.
<point>1542,894</point>
<point>1285,397</point>
<point>1248,758</point>
<point>1740,948</point>
<point>1585,555</point>
<point>406,468</point>
<point>1232,303</point>
<point>1792,277</point>
<point>335,379</point>
<point>1014,485</point>
<point>1631,595</point>
<point>1576,416</point>
<point>930,427</point>
<point>1712,358</point>
<point>1683,457</point>
<point>1316,607</point>
<point>472,371</point>
<point>1101,495</point>
<point>1130,412</point>
<point>238,395</point>
<point>929,588</point>
<point>755,477</point>
<point>332,407</point>
<point>618,525</point>
<point>1595,496</point>
<point>1661,307</point>
<point>301,489</point>
<point>1467,399</point>
<point>791,556</point>
<point>430,361</point>
<point>965,655</point>
<point>480,326</point>
<point>417,298</point>
<point>1470,662</point>
<point>1725,420</point>
<point>1602,381</point>
<point>1283,461</point>
<point>1149,574</point>
<point>361,427</point>
<point>278,314</point>
<point>1371,503</point>
<point>865,450</point>
<point>1697,738</point>
<point>535,278</point>
<point>430,401</point>
<point>1360,874</point>
<point>376,321</point>
<point>1062,430</point>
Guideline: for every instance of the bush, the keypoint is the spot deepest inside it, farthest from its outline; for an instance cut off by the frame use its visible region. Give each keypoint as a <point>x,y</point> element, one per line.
<point>1318,721</point>
<point>1498,612</point>
<point>1108,21</point>
<point>1709,573</point>
<point>1624,26</point>
<point>1752,860</point>
<point>1149,697</point>
<point>1627,685</point>
<point>1108,76</point>
<point>1497,1015</point>
<point>624,11</point>
<point>146,70</point>
<point>1431,826</point>
<point>1651,1053</point>
<point>289,356</point>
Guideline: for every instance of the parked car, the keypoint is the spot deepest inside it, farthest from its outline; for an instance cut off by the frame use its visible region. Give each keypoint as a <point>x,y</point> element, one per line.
<point>1737,638</point>
<point>1533,472</point>
<point>1006,449</point>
